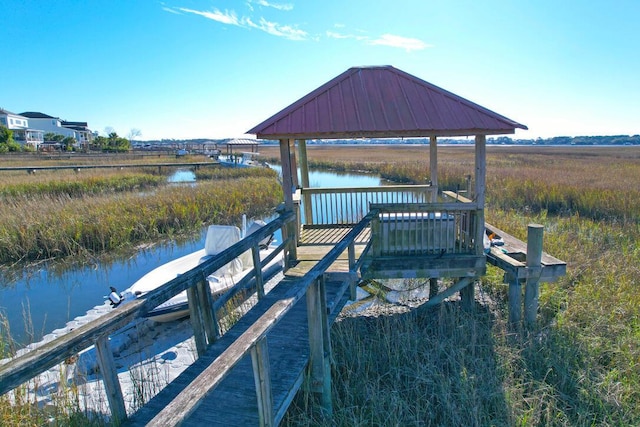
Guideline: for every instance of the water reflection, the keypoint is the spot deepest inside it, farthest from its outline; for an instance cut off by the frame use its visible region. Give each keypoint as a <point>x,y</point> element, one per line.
<point>182,176</point>
<point>51,294</point>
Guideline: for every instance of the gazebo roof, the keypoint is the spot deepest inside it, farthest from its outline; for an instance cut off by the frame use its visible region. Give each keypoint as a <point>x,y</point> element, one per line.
<point>381,102</point>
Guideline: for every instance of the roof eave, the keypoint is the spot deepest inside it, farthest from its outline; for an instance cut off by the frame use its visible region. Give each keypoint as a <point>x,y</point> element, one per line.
<point>388,134</point>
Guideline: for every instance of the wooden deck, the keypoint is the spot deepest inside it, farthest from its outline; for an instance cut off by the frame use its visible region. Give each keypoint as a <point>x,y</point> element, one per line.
<point>316,242</point>
<point>512,256</point>
<point>234,401</point>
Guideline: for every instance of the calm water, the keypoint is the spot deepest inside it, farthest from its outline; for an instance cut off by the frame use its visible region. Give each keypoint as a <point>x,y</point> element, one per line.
<point>52,294</point>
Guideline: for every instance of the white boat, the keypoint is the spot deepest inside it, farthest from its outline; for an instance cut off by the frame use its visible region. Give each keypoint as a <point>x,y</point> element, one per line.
<point>219,238</point>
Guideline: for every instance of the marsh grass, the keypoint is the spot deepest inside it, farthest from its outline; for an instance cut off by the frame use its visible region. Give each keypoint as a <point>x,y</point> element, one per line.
<point>55,225</point>
<point>580,367</point>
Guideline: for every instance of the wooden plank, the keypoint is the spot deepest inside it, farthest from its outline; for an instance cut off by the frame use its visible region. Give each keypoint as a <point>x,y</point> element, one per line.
<point>412,267</point>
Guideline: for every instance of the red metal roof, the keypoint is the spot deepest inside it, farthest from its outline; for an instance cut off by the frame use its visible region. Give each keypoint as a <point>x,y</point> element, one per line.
<point>381,102</point>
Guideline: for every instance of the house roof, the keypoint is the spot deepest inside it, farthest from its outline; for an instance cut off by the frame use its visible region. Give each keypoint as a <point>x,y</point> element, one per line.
<point>7,112</point>
<point>381,102</point>
<point>37,115</point>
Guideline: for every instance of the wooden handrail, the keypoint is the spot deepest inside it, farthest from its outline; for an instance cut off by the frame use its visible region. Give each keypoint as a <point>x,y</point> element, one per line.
<point>190,398</point>
<point>23,368</point>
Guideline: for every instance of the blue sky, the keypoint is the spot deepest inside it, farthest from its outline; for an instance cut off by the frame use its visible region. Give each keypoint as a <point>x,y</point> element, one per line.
<point>214,69</point>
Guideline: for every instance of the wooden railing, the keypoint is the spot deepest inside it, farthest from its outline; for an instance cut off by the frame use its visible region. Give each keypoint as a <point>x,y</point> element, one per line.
<point>254,342</point>
<point>202,309</point>
<point>415,229</point>
<point>347,206</point>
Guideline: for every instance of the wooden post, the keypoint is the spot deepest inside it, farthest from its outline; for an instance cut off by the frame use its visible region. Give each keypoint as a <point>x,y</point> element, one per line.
<point>320,357</point>
<point>255,252</point>
<point>197,321</point>
<point>433,287</point>
<point>479,195</point>
<point>110,379</point>
<point>304,176</point>
<point>262,379</point>
<point>515,300</point>
<point>287,188</point>
<point>351,253</point>
<point>467,296</point>
<point>209,321</point>
<point>480,175</point>
<point>433,166</point>
<point>534,266</point>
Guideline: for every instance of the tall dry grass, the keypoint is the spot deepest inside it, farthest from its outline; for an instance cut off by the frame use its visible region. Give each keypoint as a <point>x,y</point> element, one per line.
<point>63,217</point>
<point>580,367</point>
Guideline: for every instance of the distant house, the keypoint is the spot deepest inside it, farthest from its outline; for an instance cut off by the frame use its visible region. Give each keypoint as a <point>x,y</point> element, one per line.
<point>19,124</point>
<point>46,123</point>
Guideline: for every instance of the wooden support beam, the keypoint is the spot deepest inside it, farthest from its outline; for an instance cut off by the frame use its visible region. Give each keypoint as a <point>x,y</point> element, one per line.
<point>209,321</point>
<point>319,344</point>
<point>433,166</point>
<point>257,269</point>
<point>433,287</point>
<point>287,188</point>
<point>197,321</point>
<point>467,296</point>
<point>353,286</point>
<point>304,176</point>
<point>479,196</point>
<point>515,301</point>
<point>110,379</point>
<point>535,234</point>
<point>447,293</point>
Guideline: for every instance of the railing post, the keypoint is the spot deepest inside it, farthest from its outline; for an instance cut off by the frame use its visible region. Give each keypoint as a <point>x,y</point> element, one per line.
<point>255,252</point>
<point>262,379</point>
<point>534,264</point>
<point>351,251</point>
<point>197,321</point>
<point>110,379</point>
<point>210,322</point>
<point>320,344</point>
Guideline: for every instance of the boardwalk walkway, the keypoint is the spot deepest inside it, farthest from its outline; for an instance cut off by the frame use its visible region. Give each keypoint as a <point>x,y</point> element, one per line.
<point>234,401</point>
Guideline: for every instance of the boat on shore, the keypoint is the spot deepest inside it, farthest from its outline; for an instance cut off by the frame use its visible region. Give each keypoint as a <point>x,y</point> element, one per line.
<point>218,238</point>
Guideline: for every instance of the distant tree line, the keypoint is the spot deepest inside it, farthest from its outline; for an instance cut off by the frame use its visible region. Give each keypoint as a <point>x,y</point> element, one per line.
<point>556,140</point>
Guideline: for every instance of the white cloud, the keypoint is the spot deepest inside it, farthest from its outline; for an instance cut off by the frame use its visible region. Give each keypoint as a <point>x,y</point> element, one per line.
<point>275,29</point>
<point>279,6</point>
<point>341,36</point>
<point>406,43</point>
<point>168,9</point>
<point>230,18</point>
<point>292,32</point>
<point>225,17</point>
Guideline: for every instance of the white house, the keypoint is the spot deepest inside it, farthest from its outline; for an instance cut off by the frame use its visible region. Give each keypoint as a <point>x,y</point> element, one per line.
<point>22,133</point>
<point>46,123</point>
